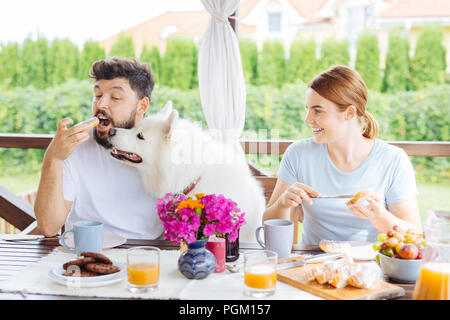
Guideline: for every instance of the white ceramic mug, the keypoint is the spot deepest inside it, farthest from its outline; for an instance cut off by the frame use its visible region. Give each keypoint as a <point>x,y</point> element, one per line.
<point>278,236</point>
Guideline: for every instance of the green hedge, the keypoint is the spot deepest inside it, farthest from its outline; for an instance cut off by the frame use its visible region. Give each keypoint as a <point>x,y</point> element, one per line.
<point>368,60</point>
<point>396,72</point>
<point>428,65</point>
<point>273,113</point>
<point>44,63</point>
<point>303,64</point>
<point>272,64</point>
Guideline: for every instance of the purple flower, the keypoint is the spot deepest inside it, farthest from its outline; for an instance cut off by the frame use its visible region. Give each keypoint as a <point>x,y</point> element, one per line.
<point>209,230</point>
<point>220,216</point>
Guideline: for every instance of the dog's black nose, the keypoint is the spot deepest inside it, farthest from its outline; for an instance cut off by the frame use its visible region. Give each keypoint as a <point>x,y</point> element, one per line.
<point>111,132</point>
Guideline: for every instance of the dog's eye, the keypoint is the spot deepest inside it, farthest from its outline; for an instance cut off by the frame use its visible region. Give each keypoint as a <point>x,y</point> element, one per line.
<point>140,136</point>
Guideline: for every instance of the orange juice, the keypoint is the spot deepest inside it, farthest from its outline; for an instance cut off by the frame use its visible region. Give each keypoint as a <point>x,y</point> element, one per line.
<point>433,282</point>
<point>260,277</point>
<point>143,273</point>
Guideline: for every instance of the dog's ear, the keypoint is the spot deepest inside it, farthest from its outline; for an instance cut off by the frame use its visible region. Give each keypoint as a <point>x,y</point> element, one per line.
<point>167,129</point>
<point>166,110</point>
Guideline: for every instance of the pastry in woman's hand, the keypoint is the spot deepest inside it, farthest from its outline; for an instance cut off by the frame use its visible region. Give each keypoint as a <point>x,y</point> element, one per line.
<point>360,197</point>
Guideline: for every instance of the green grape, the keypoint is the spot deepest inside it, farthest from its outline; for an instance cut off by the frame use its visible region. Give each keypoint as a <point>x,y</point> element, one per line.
<point>409,239</point>
<point>382,237</point>
<point>377,246</point>
<point>389,252</point>
<point>377,258</point>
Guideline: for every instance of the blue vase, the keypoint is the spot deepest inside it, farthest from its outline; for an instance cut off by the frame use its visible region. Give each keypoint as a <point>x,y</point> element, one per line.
<point>197,262</point>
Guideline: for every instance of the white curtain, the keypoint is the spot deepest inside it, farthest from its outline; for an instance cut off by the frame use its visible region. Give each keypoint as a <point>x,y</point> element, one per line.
<point>221,79</point>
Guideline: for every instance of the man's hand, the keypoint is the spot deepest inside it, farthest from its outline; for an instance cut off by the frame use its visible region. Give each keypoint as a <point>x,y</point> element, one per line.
<point>66,140</point>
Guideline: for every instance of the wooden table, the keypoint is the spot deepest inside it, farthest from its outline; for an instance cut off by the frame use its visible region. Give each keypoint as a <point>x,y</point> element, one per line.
<point>18,255</point>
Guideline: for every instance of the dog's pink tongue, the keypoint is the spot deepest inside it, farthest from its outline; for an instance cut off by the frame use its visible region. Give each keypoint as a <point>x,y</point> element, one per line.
<point>123,153</point>
<point>128,155</point>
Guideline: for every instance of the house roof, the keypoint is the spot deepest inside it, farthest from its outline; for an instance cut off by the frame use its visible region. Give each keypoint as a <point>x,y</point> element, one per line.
<point>186,23</point>
<point>416,9</point>
<point>308,9</point>
<point>150,31</point>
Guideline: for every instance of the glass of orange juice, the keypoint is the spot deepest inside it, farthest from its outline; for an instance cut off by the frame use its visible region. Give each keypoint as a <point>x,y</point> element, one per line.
<point>260,273</point>
<point>143,269</point>
<point>433,282</point>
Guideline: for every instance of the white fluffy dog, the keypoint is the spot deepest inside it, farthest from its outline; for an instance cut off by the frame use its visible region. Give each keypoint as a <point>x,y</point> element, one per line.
<point>176,155</point>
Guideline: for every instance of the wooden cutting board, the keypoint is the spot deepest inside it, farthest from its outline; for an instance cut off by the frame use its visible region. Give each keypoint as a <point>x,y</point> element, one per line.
<point>294,276</point>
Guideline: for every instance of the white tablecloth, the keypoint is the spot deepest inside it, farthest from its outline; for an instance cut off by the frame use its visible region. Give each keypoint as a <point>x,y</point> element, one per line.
<point>172,284</point>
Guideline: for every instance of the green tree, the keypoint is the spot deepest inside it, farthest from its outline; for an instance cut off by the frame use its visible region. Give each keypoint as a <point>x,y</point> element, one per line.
<point>179,64</point>
<point>249,58</point>
<point>333,52</point>
<point>62,61</point>
<point>428,65</point>
<point>368,60</point>
<point>272,64</point>
<point>152,56</point>
<point>10,64</point>
<point>91,52</point>
<point>123,47</point>
<point>396,71</point>
<point>34,61</point>
<point>302,63</point>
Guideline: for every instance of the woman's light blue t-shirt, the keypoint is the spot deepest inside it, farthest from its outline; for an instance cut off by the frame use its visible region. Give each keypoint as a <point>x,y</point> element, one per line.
<point>387,170</point>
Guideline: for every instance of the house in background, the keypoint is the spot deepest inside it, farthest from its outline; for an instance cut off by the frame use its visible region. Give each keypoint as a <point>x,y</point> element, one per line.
<point>412,15</point>
<point>285,20</point>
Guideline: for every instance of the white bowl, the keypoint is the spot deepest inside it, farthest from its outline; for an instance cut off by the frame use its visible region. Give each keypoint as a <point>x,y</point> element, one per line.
<point>400,270</point>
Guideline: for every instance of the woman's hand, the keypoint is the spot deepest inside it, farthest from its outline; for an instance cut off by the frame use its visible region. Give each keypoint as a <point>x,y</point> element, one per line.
<point>375,208</point>
<point>403,214</point>
<point>296,194</point>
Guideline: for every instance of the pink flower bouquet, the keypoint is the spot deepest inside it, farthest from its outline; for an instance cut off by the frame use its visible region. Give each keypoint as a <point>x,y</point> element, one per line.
<point>187,219</point>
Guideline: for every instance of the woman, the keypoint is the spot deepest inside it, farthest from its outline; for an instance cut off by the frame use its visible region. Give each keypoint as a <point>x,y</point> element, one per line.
<point>344,157</point>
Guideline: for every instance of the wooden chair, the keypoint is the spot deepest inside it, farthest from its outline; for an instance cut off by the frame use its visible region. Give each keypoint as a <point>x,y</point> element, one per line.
<point>16,211</point>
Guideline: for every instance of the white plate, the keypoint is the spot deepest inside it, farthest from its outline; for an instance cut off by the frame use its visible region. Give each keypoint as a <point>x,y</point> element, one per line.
<point>109,241</point>
<point>358,250</point>
<point>56,274</point>
<point>362,250</point>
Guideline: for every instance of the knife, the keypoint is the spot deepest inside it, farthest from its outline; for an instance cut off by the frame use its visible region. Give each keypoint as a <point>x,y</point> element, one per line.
<point>316,258</point>
<point>20,237</point>
<point>343,196</point>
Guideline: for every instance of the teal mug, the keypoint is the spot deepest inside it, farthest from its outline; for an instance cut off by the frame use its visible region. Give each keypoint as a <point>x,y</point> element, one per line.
<point>87,236</point>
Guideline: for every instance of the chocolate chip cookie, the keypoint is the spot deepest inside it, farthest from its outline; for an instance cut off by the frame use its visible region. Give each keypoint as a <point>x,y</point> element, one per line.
<point>78,262</point>
<point>102,268</point>
<point>97,256</point>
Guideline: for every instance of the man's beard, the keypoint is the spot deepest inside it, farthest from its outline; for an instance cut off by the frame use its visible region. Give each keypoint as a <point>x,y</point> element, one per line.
<point>127,124</point>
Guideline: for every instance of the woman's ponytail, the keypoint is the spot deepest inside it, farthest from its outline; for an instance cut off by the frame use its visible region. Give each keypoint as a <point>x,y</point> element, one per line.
<point>371,126</point>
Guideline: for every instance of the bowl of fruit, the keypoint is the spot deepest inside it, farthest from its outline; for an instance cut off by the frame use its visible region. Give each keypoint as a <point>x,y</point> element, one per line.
<point>400,254</point>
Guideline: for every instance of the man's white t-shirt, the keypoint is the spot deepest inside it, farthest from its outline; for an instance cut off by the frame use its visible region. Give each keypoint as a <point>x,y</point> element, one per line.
<point>387,170</point>
<point>104,189</point>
